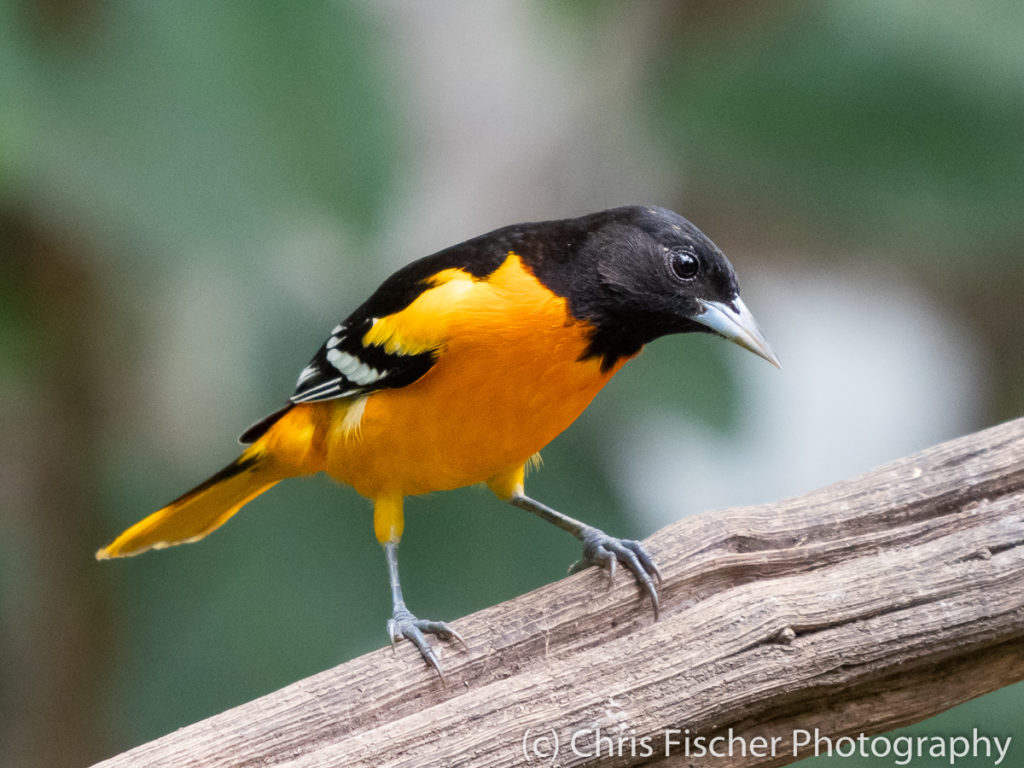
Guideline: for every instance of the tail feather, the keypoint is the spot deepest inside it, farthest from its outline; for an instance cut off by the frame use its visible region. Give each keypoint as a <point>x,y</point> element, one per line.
<point>200,511</point>
<point>261,427</point>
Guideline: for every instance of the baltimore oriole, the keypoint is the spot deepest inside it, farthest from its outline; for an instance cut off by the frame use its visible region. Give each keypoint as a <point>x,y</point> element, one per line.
<point>463,365</point>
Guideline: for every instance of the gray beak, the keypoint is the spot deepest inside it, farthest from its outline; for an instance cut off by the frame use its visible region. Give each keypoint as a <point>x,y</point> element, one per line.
<point>736,325</point>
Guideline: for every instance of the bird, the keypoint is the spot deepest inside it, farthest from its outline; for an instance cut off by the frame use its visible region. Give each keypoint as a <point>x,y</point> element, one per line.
<point>462,366</point>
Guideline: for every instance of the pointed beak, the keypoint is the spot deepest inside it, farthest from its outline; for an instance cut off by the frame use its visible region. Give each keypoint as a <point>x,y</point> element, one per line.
<point>736,325</point>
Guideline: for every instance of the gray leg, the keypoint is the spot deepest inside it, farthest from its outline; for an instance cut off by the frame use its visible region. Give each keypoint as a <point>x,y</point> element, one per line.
<point>404,624</point>
<point>599,548</point>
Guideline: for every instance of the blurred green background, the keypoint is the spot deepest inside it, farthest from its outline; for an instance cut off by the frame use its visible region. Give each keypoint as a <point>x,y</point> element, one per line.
<point>192,194</point>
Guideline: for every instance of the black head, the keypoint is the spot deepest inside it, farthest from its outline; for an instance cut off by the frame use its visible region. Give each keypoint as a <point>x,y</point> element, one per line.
<point>638,273</point>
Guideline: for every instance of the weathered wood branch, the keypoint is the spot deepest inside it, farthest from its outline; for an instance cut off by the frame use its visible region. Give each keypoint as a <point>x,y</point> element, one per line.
<point>866,605</point>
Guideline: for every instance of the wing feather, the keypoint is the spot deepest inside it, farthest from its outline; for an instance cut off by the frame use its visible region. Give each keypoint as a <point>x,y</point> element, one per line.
<point>368,353</point>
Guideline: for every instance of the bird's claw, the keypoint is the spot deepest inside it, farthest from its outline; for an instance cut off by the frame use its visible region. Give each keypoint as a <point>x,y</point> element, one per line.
<point>606,551</point>
<point>403,624</point>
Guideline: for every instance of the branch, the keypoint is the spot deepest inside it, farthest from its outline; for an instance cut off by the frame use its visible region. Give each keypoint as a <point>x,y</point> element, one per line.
<point>870,604</point>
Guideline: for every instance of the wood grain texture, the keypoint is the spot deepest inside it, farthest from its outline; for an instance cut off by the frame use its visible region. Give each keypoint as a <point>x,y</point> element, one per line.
<point>860,607</point>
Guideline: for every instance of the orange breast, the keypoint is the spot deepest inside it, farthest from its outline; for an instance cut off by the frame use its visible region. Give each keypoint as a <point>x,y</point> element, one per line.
<point>507,380</point>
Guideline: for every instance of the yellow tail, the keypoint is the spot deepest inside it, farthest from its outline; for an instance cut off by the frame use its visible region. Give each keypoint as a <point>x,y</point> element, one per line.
<point>200,511</point>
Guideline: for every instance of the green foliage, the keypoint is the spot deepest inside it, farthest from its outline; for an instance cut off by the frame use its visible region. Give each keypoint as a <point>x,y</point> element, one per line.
<point>198,127</point>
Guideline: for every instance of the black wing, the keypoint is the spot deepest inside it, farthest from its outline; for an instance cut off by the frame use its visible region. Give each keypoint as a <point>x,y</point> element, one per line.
<point>345,367</point>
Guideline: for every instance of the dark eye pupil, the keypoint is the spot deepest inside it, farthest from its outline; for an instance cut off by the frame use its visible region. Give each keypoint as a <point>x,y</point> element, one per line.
<point>685,265</point>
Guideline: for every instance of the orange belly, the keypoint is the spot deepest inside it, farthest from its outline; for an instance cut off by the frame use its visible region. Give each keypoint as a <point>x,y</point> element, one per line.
<point>464,423</point>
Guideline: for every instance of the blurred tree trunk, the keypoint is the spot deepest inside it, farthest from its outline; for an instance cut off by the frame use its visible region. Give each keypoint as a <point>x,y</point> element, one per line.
<point>53,621</point>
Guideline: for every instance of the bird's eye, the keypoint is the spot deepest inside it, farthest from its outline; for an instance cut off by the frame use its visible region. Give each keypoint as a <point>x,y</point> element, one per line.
<point>684,264</point>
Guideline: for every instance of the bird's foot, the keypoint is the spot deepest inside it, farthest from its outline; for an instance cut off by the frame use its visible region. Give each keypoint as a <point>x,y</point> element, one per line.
<point>404,624</point>
<point>606,551</point>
